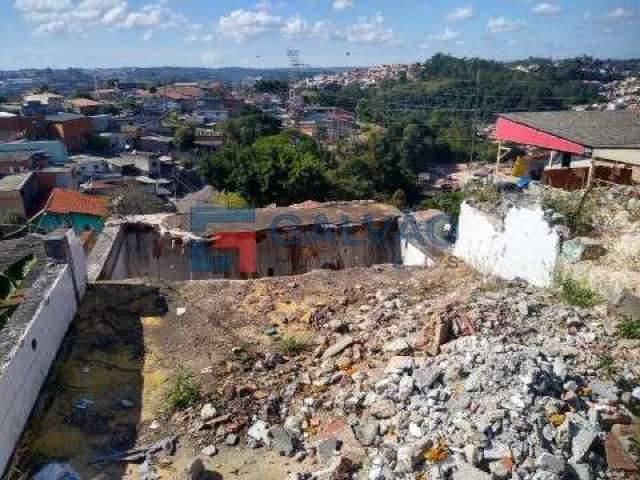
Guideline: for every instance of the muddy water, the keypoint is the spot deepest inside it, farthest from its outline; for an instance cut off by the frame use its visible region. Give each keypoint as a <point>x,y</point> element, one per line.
<point>107,381</point>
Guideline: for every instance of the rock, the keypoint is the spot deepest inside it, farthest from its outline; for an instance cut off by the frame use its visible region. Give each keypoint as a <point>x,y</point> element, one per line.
<point>406,459</point>
<point>582,248</point>
<point>56,471</point>
<point>259,431</point>
<point>147,471</point>
<point>415,430</point>
<point>425,377</point>
<point>582,471</point>
<point>605,389</point>
<point>617,457</point>
<point>469,472</point>
<point>471,454</point>
<point>635,393</point>
<point>195,470</point>
<point>231,439</point>
<point>293,425</point>
<point>208,412</point>
<point>338,435</point>
<point>398,346</point>
<point>405,387</point>
<point>550,463</point>
<point>501,469</point>
<point>338,347</point>
<point>583,435</point>
<point>497,452</point>
<point>337,469</point>
<point>272,360</point>
<point>399,364</point>
<point>383,408</point>
<point>367,432</point>
<point>210,450</point>
<point>283,442</point>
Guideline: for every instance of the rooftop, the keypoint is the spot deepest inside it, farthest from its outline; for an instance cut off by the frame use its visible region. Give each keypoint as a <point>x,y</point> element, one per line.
<point>83,102</point>
<point>609,129</point>
<point>62,117</point>
<point>64,202</point>
<point>14,182</point>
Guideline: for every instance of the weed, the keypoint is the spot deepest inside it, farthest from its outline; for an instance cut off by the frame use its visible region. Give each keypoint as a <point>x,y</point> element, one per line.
<point>242,353</point>
<point>447,202</point>
<point>606,364</point>
<point>579,216</point>
<point>293,346</point>
<point>629,328</point>
<point>183,391</point>
<point>489,193</point>
<point>578,293</point>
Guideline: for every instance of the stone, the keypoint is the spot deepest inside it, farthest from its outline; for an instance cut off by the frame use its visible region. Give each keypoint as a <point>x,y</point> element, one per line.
<point>469,472</point>
<point>497,452</point>
<point>146,471</point>
<point>415,430</point>
<point>367,432</point>
<point>551,463</point>
<point>426,377</point>
<point>617,457</point>
<point>635,393</point>
<point>501,469</point>
<point>195,469</point>
<point>259,431</point>
<point>338,435</point>
<point>582,248</point>
<point>56,471</point>
<point>406,459</point>
<point>282,441</point>
<point>582,471</point>
<point>293,425</point>
<point>398,346</point>
<point>231,439</point>
<point>210,450</point>
<point>405,387</point>
<point>605,389</point>
<point>382,408</point>
<point>583,435</point>
<point>208,412</point>
<point>399,364</point>
<point>338,347</point>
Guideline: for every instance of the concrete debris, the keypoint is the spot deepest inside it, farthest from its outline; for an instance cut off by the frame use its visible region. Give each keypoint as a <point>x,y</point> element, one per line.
<point>338,346</point>
<point>56,471</point>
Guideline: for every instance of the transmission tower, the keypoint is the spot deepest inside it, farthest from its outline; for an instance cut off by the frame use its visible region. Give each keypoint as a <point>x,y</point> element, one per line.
<point>296,102</point>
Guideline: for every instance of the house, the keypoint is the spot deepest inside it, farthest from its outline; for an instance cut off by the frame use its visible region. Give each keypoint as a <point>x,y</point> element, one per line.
<point>86,167</point>
<point>18,162</point>
<point>71,209</point>
<point>583,146</point>
<point>19,195</point>
<point>72,129</point>
<point>84,106</point>
<point>146,163</point>
<point>43,103</point>
<point>156,143</point>
<point>54,149</point>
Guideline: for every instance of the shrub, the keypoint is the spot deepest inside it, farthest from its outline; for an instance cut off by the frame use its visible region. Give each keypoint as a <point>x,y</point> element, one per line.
<point>229,200</point>
<point>447,202</point>
<point>293,346</point>
<point>183,391</point>
<point>606,364</point>
<point>629,328</point>
<point>578,293</point>
<point>579,219</point>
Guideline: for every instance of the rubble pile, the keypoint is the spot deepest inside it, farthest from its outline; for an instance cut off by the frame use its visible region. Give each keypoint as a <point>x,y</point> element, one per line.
<point>494,384</point>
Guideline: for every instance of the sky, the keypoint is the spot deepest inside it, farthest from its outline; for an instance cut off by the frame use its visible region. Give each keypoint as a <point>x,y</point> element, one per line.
<point>258,33</point>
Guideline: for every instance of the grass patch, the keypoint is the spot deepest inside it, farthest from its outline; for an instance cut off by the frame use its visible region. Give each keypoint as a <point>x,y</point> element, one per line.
<point>447,202</point>
<point>580,220</point>
<point>629,329</point>
<point>578,293</point>
<point>489,193</point>
<point>293,346</point>
<point>183,392</point>
<point>606,364</point>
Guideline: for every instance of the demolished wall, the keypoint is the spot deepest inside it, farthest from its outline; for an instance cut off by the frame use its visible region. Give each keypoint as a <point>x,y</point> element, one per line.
<point>520,244</point>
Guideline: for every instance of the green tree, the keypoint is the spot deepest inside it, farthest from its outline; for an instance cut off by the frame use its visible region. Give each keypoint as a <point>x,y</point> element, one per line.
<point>184,138</point>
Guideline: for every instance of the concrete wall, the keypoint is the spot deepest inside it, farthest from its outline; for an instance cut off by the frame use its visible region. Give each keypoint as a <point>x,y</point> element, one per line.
<point>28,365</point>
<point>413,256</point>
<point>139,251</point>
<point>522,245</point>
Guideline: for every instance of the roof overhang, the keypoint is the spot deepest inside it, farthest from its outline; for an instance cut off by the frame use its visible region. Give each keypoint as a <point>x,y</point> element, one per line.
<point>510,131</point>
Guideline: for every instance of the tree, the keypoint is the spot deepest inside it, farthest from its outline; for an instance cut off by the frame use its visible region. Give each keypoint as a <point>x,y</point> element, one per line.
<point>247,129</point>
<point>184,138</point>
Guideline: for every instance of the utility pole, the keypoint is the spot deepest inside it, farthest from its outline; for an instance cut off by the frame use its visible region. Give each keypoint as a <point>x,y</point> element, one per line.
<point>475,116</point>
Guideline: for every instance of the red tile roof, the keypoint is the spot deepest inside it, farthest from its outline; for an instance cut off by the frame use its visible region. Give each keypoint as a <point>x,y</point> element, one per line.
<point>67,201</point>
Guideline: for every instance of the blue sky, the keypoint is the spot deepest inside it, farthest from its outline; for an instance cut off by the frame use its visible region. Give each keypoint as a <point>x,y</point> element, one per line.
<point>108,33</point>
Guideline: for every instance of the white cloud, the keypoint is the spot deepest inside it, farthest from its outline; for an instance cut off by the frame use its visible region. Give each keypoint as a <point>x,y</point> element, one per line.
<point>447,36</point>
<point>339,5</point>
<point>195,33</point>
<point>502,25</point>
<point>81,16</point>
<point>460,13</point>
<point>619,13</point>
<point>368,30</point>
<point>243,24</point>
<point>295,27</point>
<point>548,9</point>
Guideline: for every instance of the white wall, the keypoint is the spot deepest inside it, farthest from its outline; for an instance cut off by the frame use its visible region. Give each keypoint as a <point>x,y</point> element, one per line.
<point>34,352</point>
<point>28,368</point>
<point>523,246</point>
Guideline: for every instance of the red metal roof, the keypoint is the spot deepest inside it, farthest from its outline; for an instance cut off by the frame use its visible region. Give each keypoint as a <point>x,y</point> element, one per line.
<point>67,201</point>
<point>510,131</point>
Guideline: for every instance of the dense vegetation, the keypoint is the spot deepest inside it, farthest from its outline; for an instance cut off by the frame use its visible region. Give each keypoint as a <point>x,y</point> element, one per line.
<point>407,127</point>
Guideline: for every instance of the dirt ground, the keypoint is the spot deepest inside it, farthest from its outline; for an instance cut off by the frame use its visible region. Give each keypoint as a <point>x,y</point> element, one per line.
<point>108,390</point>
